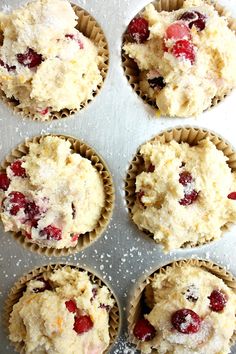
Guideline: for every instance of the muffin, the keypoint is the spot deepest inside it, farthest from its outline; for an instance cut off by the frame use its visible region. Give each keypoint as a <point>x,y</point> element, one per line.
<point>53,196</point>
<point>184,195</point>
<point>190,308</point>
<point>63,310</point>
<point>46,64</point>
<point>184,59</point>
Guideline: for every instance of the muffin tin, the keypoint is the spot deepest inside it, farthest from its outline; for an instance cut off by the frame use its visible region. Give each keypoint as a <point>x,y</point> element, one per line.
<point>115,124</point>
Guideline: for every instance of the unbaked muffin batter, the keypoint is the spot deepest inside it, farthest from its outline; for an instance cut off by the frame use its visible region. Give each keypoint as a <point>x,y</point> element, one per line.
<point>193,311</point>
<point>51,195</point>
<point>45,62</point>
<point>186,57</point>
<point>63,312</point>
<point>186,193</point>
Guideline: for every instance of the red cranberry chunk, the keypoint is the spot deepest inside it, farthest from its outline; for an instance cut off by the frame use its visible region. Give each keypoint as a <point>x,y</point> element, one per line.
<point>185,178</point>
<point>186,321</point>
<point>157,83</point>
<point>17,169</point>
<point>46,286</point>
<point>139,196</point>
<point>71,306</point>
<point>30,58</point>
<point>52,233</point>
<point>143,330</point>
<point>82,324</point>
<point>151,168</point>
<point>184,49</point>
<point>232,196</point>
<point>17,201</point>
<point>4,181</point>
<point>32,213</point>
<point>218,300</point>
<point>74,237</point>
<point>6,66</point>
<point>189,198</point>
<point>138,29</point>
<point>177,31</point>
<point>194,18</point>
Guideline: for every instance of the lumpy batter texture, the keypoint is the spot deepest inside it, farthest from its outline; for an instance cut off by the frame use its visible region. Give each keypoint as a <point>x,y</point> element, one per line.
<point>186,193</point>
<point>193,311</point>
<point>45,62</point>
<point>186,57</point>
<point>62,312</point>
<point>51,195</point>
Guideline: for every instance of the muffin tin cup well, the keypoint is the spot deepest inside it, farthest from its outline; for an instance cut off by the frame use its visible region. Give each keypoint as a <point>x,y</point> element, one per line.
<point>180,134</point>
<point>92,30</point>
<point>131,69</point>
<point>88,238</point>
<point>134,309</point>
<point>19,287</point>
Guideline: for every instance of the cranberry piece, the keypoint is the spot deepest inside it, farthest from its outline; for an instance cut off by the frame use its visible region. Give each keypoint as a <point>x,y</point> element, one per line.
<point>74,237</point>
<point>189,198</point>
<point>194,18</point>
<point>151,168</point>
<point>32,213</point>
<point>186,321</point>
<point>143,330</point>
<point>157,83</point>
<point>30,58</point>
<point>6,66</point>
<point>27,235</point>
<point>17,201</point>
<point>46,286</point>
<point>52,233</point>
<point>185,178</point>
<point>138,29</point>
<point>230,195</point>
<point>177,31</point>
<point>82,324</point>
<point>4,181</point>
<point>184,49</point>
<point>71,36</point>
<point>218,300</point>
<point>17,169</point>
<point>94,292</point>
<point>71,306</point>
<point>44,111</point>
<point>106,307</point>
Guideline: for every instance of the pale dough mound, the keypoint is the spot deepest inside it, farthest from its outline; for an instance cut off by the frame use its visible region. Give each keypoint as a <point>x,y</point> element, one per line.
<point>43,322</point>
<point>188,88</point>
<point>63,195</point>
<point>67,73</point>
<point>189,287</point>
<point>175,213</point>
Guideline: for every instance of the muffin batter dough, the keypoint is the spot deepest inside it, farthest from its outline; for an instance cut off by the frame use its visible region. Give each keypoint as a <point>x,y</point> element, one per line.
<point>185,197</point>
<point>53,195</point>
<point>186,57</point>
<point>45,62</point>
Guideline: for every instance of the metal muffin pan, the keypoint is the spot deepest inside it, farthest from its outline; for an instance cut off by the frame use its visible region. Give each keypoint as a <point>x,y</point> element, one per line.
<point>115,123</point>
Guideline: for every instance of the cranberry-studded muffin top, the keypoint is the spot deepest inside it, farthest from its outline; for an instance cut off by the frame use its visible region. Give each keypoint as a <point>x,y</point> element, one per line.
<point>51,195</point>
<point>45,62</point>
<point>62,312</point>
<point>186,193</point>
<point>186,57</point>
<point>192,311</point>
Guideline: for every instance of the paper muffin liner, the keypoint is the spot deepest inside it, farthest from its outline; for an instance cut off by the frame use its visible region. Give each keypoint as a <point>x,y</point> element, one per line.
<point>19,287</point>
<point>131,69</point>
<point>92,30</point>
<point>97,161</point>
<point>180,134</point>
<point>135,307</point>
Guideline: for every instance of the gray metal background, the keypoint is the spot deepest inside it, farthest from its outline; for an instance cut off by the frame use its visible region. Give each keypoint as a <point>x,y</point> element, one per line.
<point>115,124</point>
